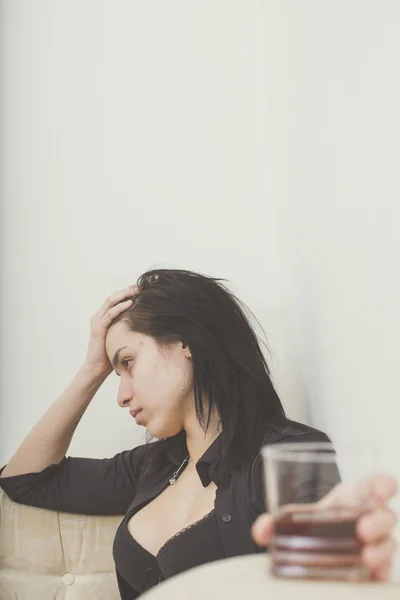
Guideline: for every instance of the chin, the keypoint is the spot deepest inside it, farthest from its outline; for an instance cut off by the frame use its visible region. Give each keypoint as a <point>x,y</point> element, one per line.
<point>163,430</point>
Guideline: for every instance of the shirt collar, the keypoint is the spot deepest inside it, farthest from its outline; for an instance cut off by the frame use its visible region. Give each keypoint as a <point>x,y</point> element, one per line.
<point>207,463</point>
<point>205,466</point>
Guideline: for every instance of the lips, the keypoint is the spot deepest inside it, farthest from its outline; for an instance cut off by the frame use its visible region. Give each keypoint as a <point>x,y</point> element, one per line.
<point>135,412</point>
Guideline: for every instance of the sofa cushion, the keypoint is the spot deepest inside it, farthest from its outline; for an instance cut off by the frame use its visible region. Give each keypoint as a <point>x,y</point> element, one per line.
<point>50,555</point>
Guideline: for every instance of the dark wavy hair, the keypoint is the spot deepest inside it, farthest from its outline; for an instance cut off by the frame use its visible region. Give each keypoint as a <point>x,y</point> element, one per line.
<point>230,372</point>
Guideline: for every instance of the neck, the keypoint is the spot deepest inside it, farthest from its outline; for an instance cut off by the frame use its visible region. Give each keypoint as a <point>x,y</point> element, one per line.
<point>197,440</point>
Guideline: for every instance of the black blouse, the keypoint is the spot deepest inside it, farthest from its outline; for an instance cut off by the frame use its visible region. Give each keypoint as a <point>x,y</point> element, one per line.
<point>108,486</point>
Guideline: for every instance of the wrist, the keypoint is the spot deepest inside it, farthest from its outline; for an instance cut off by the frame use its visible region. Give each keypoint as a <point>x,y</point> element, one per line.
<point>94,373</point>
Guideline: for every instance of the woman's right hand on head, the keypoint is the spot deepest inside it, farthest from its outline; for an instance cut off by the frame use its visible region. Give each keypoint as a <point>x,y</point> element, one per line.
<point>96,357</point>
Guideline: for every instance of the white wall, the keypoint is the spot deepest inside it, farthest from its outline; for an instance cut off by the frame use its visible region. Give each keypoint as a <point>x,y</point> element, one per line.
<point>138,134</point>
<point>334,126</point>
<point>133,136</point>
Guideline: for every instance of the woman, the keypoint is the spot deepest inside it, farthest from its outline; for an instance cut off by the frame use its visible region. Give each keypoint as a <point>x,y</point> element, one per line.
<point>192,372</point>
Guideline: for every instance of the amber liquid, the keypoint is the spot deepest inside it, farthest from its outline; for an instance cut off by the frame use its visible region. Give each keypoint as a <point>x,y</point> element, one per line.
<point>315,544</point>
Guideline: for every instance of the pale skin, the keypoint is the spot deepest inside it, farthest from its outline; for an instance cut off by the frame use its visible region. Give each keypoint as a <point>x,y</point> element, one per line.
<point>159,381</point>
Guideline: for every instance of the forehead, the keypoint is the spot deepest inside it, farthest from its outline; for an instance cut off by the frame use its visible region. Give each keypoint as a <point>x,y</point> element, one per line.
<point>119,335</point>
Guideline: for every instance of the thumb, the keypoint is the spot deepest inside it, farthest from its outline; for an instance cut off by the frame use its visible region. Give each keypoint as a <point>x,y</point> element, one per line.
<point>262,530</point>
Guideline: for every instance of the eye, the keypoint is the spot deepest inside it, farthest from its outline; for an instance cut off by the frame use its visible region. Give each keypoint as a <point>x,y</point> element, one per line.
<point>126,362</point>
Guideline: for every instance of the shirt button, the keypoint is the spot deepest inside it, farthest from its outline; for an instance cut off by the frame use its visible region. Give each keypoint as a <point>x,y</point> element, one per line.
<point>226,517</point>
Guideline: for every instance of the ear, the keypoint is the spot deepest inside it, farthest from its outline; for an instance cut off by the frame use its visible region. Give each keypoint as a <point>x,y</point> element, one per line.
<point>186,351</point>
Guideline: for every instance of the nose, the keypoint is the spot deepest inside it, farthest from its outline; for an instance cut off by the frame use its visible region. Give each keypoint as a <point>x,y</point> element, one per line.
<point>125,393</point>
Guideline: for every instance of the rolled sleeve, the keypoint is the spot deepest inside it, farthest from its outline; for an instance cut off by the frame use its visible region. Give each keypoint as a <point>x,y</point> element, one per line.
<point>90,486</point>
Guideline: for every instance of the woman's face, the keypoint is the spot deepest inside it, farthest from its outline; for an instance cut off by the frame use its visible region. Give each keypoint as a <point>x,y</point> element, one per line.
<point>158,381</point>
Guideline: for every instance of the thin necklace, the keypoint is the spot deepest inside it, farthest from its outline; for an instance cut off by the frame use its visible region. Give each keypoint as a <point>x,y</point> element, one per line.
<point>174,477</point>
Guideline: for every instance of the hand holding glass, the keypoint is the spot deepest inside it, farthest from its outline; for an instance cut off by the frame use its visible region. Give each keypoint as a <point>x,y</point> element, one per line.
<point>314,526</point>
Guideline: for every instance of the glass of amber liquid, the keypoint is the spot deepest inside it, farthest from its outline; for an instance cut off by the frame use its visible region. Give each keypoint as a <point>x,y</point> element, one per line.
<point>314,525</point>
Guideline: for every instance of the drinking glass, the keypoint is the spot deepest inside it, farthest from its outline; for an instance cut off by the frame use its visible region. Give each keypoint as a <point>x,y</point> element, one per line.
<point>315,520</point>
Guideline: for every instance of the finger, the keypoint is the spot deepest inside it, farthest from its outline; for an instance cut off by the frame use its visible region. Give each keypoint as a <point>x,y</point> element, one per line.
<point>368,492</point>
<point>384,487</point>
<point>378,488</point>
<point>376,525</point>
<point>262,530</point>
<point>114,312</point>
<point>382,574</point>
<point>119,296</point>
<point>380,556</point>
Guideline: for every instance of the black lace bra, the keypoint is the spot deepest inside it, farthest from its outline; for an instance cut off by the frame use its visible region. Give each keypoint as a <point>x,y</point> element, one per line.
<point>188,548</point>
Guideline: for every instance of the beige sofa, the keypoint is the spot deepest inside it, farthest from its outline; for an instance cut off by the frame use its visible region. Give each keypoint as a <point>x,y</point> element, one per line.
<point>48,555</point>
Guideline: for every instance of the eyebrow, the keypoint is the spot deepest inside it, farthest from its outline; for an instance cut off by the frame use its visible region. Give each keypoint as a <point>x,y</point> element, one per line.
<point>115,360</point>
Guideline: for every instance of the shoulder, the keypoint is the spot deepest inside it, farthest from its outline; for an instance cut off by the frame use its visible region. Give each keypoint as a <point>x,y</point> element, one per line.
<point>151,458</point>
<point>293,431</point>
<point>288,431</point>
<point>140,455</point>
